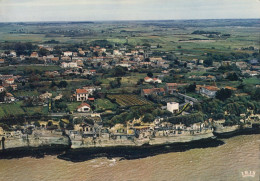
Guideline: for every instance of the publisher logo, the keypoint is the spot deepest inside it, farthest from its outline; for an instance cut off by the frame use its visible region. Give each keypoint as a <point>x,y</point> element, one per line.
<point>248,174</point>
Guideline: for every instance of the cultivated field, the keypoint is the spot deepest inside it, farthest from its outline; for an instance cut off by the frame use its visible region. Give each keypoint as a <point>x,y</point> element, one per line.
<point>125,100</point>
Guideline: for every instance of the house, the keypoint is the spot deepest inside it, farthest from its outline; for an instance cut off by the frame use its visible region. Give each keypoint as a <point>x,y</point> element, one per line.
<point>156,80</point>
<point>13,53</point>
<point>55,59</point>
<point>209,91</point>
<point>153,80</point>
<point>156,91</point>
<point>171,87</point>
<point>2,89</point>
<point>34,55</point>
<point>67,54</point>
<point>211,77</point>
<point>81,94</point>
<point>81,52</point>
<point>93,72</point>
<point>69,65</point>
<point>231,88</point>
<point>9,81</point>
<point>173,106</point>
<point>9,97</point>
<point>84,107</point>
<point>148,79</point>
<point>14,87</point>
<point>91,89</point>
<point>242,65</point>
<point>46,95</point>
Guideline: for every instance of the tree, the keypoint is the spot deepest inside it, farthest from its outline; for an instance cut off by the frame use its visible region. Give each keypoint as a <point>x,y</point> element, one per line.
<point>148,117</point>
<point>61,124</point>
<point>119,71</point>
<point>70,126</point>
<point>150,74</point>
<point>53,84</point>
<point>223,94</point>
<point>256,94</point>
<point>37,124</point>
<point>2,96</point>
<point>140,82</point>
<point>43,52</point>
<point>208,62</point>
<point>63,84</point>
<point>191,87</point>
<point>233,77</point>
<point>49,123</point>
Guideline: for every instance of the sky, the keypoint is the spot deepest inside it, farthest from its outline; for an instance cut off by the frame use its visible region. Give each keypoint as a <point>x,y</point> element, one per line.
<point>103,10</point>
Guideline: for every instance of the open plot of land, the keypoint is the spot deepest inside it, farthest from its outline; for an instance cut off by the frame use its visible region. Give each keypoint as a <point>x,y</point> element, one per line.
<point>126,100</point>
<point>36,109</point>
<point>104,104</point>
<point>10,109</point>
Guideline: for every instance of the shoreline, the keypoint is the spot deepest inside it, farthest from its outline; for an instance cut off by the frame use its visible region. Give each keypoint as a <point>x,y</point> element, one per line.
<point>67,153</point>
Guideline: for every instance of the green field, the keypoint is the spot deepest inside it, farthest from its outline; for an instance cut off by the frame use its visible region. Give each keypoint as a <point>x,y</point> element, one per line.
<point>104,104</point>
<point>11,109</point>
<point>73,105</point>
<point>169,35</point>
<point>252,80</point>
<point>126,100</point>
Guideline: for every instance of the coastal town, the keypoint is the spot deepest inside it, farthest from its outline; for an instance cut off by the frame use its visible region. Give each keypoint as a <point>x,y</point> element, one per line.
<point>102,94</point>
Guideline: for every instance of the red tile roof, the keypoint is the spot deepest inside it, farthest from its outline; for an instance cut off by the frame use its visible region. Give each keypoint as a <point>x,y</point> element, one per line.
<point>153,90</point>
<point>211,88</point>
<point>81,91</point>
<point>171,84</point>
<point>83,104</point>
<point>147,78</point>
<point>10,80</point>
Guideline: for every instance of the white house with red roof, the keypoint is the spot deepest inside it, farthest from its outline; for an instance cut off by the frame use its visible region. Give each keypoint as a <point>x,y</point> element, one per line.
<point>9,81</point>
<point>81,94</point>
<point>148,79</point>
<point>153,80</point>
<point>34,55</point>
<point>84,107</point>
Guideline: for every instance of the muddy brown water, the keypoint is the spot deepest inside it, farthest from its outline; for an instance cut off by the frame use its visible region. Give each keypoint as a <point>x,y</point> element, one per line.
<point>223,163</point>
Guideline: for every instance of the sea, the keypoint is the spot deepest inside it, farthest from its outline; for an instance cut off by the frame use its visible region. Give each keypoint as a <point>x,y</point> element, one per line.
<point>237,159</point>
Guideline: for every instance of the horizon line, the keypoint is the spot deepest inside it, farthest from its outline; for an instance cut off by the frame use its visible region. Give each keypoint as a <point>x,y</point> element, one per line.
<point>69,21</point>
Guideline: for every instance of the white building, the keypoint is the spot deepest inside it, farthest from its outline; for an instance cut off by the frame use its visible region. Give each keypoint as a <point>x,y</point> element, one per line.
<point>84,107</point>
<point>69,65</point>
<point>82,94</point>
<point>173,107</point>
<point>209,91</point>
<point>67,54</point>
<point>13,53</point>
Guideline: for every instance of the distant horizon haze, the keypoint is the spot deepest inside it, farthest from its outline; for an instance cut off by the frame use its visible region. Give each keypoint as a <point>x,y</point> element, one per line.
<point>126,10</point>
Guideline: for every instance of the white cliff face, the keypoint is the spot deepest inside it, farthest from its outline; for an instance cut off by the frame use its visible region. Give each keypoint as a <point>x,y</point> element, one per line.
<point>37,139</point>
<point>79,142</point>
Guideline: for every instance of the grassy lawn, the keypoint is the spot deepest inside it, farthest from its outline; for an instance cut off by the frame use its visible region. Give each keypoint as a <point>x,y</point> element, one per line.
<point>26,93</point>
<point>104,104</point>
<point>36,109</point>
<point>73,105</point>
<point>252,80</point>
<point>11,109</point>
<point>21,68</point>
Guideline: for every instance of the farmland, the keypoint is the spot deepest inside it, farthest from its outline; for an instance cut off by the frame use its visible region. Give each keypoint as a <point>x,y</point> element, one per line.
<point>126,100</point>
<point>104,104</point>
<point>8,109</point>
